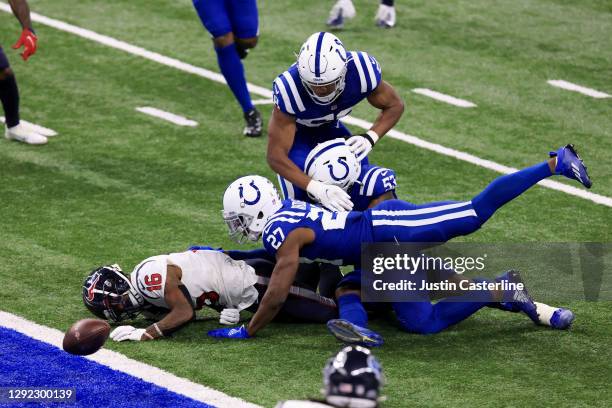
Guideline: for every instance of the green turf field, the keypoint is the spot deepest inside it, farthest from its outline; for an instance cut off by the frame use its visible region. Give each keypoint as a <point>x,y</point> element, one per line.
<point>119,186</point>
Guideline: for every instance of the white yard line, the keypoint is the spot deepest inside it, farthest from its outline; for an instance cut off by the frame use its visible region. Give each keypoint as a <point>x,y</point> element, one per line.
<point>167,116</point>
<point>462,103</point>
<point>263,102</point>
<point>266,93</point>
<point>41,130</point>
<point>119,362</point>
<point>559,83</point>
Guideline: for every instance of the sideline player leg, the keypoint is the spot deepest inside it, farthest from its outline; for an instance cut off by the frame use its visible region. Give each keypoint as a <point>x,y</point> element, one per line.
<point>234,28</point>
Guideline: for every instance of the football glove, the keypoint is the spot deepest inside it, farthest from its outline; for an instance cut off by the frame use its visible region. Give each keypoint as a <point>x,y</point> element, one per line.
<point>122,333</point>
<point>27,40</point>
<point>230,333</point>
<point>361,145</point>
<point>331,197</point>
<point>229,316</point>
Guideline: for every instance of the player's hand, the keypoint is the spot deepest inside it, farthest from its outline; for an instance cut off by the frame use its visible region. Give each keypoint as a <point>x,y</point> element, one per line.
<point>361,145</point>
<point>123,333</point>
<point>230,333</point>
<point>330,196</point>
<point>229,316</point>
<point>27,40</point>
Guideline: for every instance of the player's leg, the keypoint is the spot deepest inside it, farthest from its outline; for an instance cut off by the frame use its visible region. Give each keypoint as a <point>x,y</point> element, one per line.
<point>341,10</point>
<point>215,18</point>
<point>352,325</point>
<point>397,220</point>
<point>9,96</point>
<point>245,26</point>
<point>385,16</point>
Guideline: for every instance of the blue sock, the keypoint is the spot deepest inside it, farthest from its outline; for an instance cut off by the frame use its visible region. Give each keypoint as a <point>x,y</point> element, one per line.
<point>508,187</point>
<point>350,308</point>
<point>233,71</point>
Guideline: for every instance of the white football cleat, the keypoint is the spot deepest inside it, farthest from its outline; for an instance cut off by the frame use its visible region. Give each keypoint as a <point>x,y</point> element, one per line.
<point>341,10</point>
<point>20,134</point>
<point>385,16</point>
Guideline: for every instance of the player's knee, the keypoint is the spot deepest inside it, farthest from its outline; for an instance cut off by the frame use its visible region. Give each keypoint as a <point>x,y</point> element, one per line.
<point>224,40</point>
<point>6,73</point>
<point>247,43</point>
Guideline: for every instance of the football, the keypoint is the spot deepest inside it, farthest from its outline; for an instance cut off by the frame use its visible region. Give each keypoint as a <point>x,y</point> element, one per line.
<point>86,336</point>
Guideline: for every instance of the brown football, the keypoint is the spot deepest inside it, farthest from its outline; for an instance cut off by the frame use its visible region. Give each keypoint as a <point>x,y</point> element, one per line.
<point>86,336</point>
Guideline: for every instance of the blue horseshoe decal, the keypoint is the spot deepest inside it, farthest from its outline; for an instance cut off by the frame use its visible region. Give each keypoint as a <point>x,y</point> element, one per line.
<point>247,202</point>
<point>330,167</point>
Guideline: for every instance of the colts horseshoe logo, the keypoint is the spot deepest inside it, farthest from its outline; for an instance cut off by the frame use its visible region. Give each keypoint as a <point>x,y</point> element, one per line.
<point>241,193</point>
<point>330,167</point>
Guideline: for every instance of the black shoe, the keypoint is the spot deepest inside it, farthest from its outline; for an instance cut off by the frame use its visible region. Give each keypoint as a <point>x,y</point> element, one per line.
<point>253,123</point>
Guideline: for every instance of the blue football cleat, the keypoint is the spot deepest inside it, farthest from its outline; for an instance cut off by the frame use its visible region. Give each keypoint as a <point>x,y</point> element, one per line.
<point>350,333</point>
<point>505,306</point>
<point>571,165</point>
<point>520,299</point>
<point>562,319</point>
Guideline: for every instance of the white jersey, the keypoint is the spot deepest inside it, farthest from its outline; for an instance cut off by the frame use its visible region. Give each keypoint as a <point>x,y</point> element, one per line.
<point>302,404</point>
<point>211,278</point>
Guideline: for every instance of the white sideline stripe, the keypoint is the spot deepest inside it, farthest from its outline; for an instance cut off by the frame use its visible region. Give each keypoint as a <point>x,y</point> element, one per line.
<point>119,362</point>
<point>170,117</point>
<point>559,83</point>
<point>266,93</point>
<point>462,103</point>
<point>41,130</point>
<point>263,101</point>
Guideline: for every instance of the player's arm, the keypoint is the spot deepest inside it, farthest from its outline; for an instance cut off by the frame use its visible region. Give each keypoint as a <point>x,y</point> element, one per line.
<point>281,132</point>
<point>283,275</point>
<point>391,106</point>
<point>21,10</point>
<point>181,310</point>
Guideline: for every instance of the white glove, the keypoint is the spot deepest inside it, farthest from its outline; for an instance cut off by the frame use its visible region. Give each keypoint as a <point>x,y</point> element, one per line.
<point>330,196</point>
<point>122,333</point>
<point>229,317</point>
<point>361,145</point>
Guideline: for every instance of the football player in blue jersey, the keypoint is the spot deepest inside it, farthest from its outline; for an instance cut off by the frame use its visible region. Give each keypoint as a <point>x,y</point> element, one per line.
<point>310,98</point>
<point>234,26</point>
<point>294,230</point>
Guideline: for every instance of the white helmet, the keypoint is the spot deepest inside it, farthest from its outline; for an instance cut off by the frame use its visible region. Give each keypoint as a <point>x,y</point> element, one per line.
<point>248,203</point>
<point>332,162</point>
<point>322,63</point>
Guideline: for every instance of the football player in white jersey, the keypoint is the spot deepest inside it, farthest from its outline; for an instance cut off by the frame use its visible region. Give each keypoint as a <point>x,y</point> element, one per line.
<point>172,287</point>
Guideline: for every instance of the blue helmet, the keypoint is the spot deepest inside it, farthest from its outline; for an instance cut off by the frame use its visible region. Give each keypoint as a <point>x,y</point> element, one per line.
<point>353,378</point>
<point>108,294</point>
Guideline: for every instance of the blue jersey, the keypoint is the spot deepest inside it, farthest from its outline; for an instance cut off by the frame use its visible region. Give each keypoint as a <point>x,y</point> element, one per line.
<point>363,76</point>
<point>373,182</point>
<point>338,235</point>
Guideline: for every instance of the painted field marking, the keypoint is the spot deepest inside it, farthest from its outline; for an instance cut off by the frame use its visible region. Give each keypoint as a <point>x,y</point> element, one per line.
<point>266,93</point>
<point>263,102</point>
<point>167,116</point>
<point>462,103</point>
<point>119,362</point>
<point>41,130</point>
<point>559,83</point>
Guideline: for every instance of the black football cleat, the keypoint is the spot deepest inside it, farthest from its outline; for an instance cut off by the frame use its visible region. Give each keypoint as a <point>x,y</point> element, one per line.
<point>254,123</point>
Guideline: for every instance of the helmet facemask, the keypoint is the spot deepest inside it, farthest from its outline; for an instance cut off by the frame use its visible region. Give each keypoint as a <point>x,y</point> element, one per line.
<point>339,83</point>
